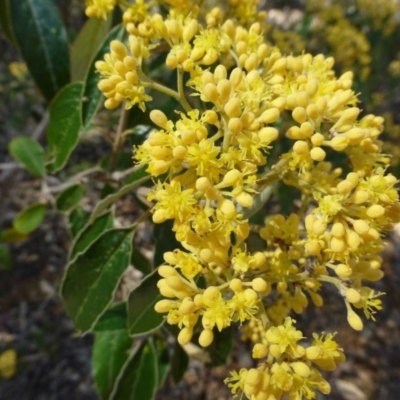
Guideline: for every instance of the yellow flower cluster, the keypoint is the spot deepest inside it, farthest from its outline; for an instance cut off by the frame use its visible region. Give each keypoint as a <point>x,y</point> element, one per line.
<point>382,14</point>
<point>347,42</point>
<point>120,72</point>
<point>288,369</point>
<point>261,117</point>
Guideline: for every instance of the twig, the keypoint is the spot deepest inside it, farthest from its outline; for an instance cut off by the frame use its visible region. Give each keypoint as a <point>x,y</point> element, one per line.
<point>117,140</point>
<point>72,181</point>
<point>40,128</point>
<point>11,165</point>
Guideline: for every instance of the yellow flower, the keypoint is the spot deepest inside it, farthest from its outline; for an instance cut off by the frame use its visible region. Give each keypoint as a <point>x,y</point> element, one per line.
<point>173,202</point>
<point>217,311</point>
<point>285,337</point>
<point>8,362</point>
<point>99,8</point>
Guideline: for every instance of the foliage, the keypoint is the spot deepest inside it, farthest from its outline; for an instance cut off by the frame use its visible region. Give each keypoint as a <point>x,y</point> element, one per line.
<point>235,125</point>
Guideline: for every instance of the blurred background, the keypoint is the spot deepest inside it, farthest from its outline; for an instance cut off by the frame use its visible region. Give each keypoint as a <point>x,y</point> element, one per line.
<point>40,356</point>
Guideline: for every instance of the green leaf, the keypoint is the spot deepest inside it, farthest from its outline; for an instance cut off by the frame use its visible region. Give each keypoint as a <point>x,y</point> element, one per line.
<point>139,376</point>
<point>11,235</point>
<point>110,352</point>
<point>5,21</point>
<point>221,346</point>
<point>91,233</point>
<point>86,44</point>
<point>30,218</point>
<point>78,218</point>
<point>5,258</point>
<point>142,318</point>
<point>163,360</point>
<point>92,278</point>
<point>140,262</point>
<point>114,319</point>
<point>287,195</point>
<point>91,95</point>
<point>43,42</point>
<point>179,362</point>
<point>112,198</point>
<point>29,153</point>
<point>69,198</point>
<point>64,125</point>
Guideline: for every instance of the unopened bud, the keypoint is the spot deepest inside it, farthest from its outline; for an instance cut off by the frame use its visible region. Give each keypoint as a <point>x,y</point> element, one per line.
<point>159,118</point>
<point>206,337</point>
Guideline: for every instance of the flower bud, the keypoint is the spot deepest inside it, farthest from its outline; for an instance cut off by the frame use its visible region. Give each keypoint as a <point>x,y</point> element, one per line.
<point>105,85</point>
<point>299,115</point>
<point>258,259</point>
<point>338,230</point>
<point>321,104</point>
<point>360,196</point>
<point>159,118</point>
<point>224,89</point>
<point>111,104</point>
<point>313,352</point>
<point>203,184</point>
<point>313,248</point>
<point>187,307</point>
<point>317,139</point>
<point>253,377</point>
<point>269,116</point>
<point>190,30</point>
<point>260,351</point>
<point>207,255</point>
<point>206,337</point>
<point>352,239</point>
<point>119,49</point>
<point>375,211</point>
<point>173,27</point>
<point>355,134</point>
<point>337,245</point>
<point>185,335</point>
<point>159,167</point>
<point>354,320</point>
<point>211,92</point>
<point>232,108</point>
<point>302,99</point>
<point>166,270</point>
<point>235,125</point>
<point>179,152</point>
<point>175,283</point>
<point>301,147</point>
<point>236,77</point>
<point>163,306</point>
<point>232,177</point>
<point>301,369</point>
<point>259,285</point>
<point>312,111</point>
<point>343,271</point>
<point>339,143</point>
<point>228,208</point>
<point>236,285</point>
<point>344,187</point>
<point>250,295</point>
<point>267,135</point>
<point>245,199</point>
<point>352,295</point>
<point>317,154</point>
<point>159,216</point>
